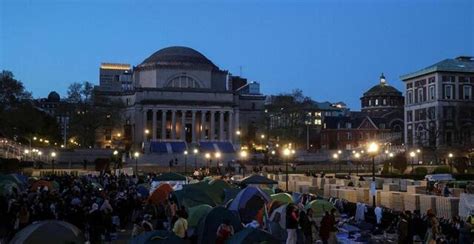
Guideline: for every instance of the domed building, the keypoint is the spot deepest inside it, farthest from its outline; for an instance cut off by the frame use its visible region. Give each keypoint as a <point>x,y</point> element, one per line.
<point>381,99</point>
<point>177,98</point>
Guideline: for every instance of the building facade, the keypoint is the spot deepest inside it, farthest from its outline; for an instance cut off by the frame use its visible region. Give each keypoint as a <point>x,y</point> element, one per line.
<point>178,96</point>
<point>380,119</point>
<point>439,105</point>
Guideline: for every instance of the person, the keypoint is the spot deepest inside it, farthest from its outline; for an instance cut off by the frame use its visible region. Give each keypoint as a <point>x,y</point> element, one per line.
<point>137,227</point>
<point>291,224</point>
<point>146,224</point>
<point>327,226</point>
<point>94,221</point>
<point>224,232</point>
<point>403,229</point>
<point>446,191</point>
<point>306,222</point>
<point>433,227</point>
<point>465,229</point>
<point>181,225</point>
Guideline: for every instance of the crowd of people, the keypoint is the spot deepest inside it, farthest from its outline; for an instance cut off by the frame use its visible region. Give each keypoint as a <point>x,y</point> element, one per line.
<point>101,206</point>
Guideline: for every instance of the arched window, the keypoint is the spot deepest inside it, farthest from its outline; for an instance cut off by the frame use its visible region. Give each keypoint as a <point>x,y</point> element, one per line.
<point>183,82</point>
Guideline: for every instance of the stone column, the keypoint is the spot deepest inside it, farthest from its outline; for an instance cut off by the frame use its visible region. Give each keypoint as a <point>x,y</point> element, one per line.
<point>203,125</point>
<point>193,127</point>
<point>237,124</point>
<point>230,128</point>
<point>144,124</point>
<point>153,130</point>
<point>221,125</point>
<point>163,124</point>
<point>173,124</point>
<point>183,126</point>
<point>213,129</point>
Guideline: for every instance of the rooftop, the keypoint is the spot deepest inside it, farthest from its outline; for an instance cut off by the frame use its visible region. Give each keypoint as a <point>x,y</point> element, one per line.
<point>461,64</point>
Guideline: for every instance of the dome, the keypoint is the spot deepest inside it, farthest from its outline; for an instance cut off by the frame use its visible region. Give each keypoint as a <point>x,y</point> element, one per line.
<point>382,89</point>
<point>53,97</point>
<point>178,55</point>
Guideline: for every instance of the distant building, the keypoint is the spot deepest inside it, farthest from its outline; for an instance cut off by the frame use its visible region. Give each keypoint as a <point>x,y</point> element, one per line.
<point>178,98</point>
<point>381,120</point>
<point>439,105</point>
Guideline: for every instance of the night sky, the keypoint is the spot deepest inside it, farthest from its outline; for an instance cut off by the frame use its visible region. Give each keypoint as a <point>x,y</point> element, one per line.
<point>332,50</point>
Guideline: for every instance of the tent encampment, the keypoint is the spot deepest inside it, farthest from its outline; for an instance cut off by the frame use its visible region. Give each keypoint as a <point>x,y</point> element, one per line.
<point>157,236</point>
<point>248,202</point>
<point>161,193</point>
<point>319,207</point>
<point>196,213</point>
<point>252,235</point>
<point>257,180</point>
<point>282,197</point>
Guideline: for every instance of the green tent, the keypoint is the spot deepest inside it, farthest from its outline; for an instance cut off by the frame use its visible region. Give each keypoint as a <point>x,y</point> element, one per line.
<point>282,197</point>
<point>8,187</point>
<point>192,197</point>
<point>157,236</point>
<point>196,213</point>
<point>320,207</point>
<point>170,177</point>
<point>49,231</point>
<point>251,235</point>
<point>208,225</point>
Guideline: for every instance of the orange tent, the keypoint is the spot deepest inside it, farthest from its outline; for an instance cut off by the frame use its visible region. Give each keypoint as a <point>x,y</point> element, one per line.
<point>41,183</point>
<point>161,193</point>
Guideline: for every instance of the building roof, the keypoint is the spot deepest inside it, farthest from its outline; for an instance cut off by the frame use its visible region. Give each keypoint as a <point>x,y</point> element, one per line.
<point>178,55</point>
<point>462,64</point>
<point>382,89</point>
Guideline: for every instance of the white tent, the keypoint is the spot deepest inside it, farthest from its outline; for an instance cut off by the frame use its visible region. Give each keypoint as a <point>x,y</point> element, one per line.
<point>466,204</point>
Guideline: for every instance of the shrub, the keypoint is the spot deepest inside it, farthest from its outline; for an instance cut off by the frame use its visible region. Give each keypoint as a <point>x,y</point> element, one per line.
<point>441,170</point>
<point>421,171</point>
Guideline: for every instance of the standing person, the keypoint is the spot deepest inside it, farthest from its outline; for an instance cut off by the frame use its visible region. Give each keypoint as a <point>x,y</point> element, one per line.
<point>181,225</point>
<point>403,229</point>
<point>326,228</point>
<point>95,224</point>
<point>433,227</point>
<point>224,232</point>
<point>291,224</point>
<point>307,223</point>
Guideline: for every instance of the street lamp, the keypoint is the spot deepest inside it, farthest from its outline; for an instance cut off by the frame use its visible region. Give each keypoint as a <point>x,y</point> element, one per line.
<point>270,160</point>
<point>372,149</point>
<point>412,156</point>
<point>195,152</point>
<point>450,155</point>
<point>136,155</point>
<point>390,155</point>
<point>286,154</point>
<point>53,156</point>
<point>335,156</point>
<point>357,156</point>
<point>243,156</point>
<point>115,153</point>
<point>208,157</point>
<point>185,153</point>
<point>217,155</point>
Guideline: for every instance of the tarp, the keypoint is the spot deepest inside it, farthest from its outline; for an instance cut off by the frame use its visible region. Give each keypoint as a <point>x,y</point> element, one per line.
<point>258,180</point>
<point>248,202</point>
<point>207,228</point>
<point>320,207</point>
<point>157,236</point>
<point>251,235</point>
<point>161,193</point>
<point>170,177</point>
<point>49,231</point>
<point>196,213</point>
<point>282,197</point>
<point>439,177</point>
<point>466,205</point>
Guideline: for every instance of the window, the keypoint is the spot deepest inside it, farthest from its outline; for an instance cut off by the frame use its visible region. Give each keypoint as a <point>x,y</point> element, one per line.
<point>370,102</point>
<point>409,116</point>
<point>376,102</point>
<point>420,95</point>
<point>409,97</point>
<point>349,136</point>
<point>467,92</point>
<point>431,113</point>
<point>317,122</point>
<point>384,101</point>
<point>448,92</point>
<point>183,82</point>
<point>447,78</point>
<point>348,125</point>
<point>432,93</point>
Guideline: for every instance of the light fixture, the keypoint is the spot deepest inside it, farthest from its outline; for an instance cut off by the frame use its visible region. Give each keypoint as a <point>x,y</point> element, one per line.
<point>53,154</point>
<point>286,152</point>
<point>373,148</point>
<point>217,155</point>
<point>207,155</point>
<point>185,152</point>
<point>136,154</point>
<point>243,154</point>
<point>115,152</point>
<point>335,155</point>
<point>195,151</point>
<point>412,154</point>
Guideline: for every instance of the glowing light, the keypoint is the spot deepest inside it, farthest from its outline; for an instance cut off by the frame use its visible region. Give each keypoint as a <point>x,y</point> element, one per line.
<point>136,154</point>
<point>412,154</point>
<point>195,151</point>
<point>185,152</point>
<point>373,148</point>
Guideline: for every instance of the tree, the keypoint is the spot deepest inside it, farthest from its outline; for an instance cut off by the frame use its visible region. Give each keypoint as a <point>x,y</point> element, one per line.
<point>12,91</point>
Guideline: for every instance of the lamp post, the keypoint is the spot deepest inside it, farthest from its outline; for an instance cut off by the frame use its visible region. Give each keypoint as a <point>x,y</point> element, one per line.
<point>115,153</point>
<point>335,156</point>
<point>185,162</point>
<point>208,157</point>
<point>390,155</point>
<point>286,154</point>
<point>340,161</point>
<point>136,155</point>
<point>243,156</point>
<point>217,155</point>
<point>450,156</point>
<point>412,156</point>
<point>270,160</point>
<point>372,150</point>
<point>53,156</point>
<point>357,156</point>
<point>195,152</point>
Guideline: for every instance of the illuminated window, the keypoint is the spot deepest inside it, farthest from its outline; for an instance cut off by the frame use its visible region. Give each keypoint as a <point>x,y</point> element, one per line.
<point>317,122</point>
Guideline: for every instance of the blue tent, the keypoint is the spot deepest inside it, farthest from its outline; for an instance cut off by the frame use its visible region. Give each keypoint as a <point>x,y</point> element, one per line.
<point>143,191</point>
<point>248,202</point>
<point>251,235</point>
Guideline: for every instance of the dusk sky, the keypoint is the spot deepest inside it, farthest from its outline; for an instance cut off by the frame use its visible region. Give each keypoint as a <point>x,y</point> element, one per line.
<point>332,50</point>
